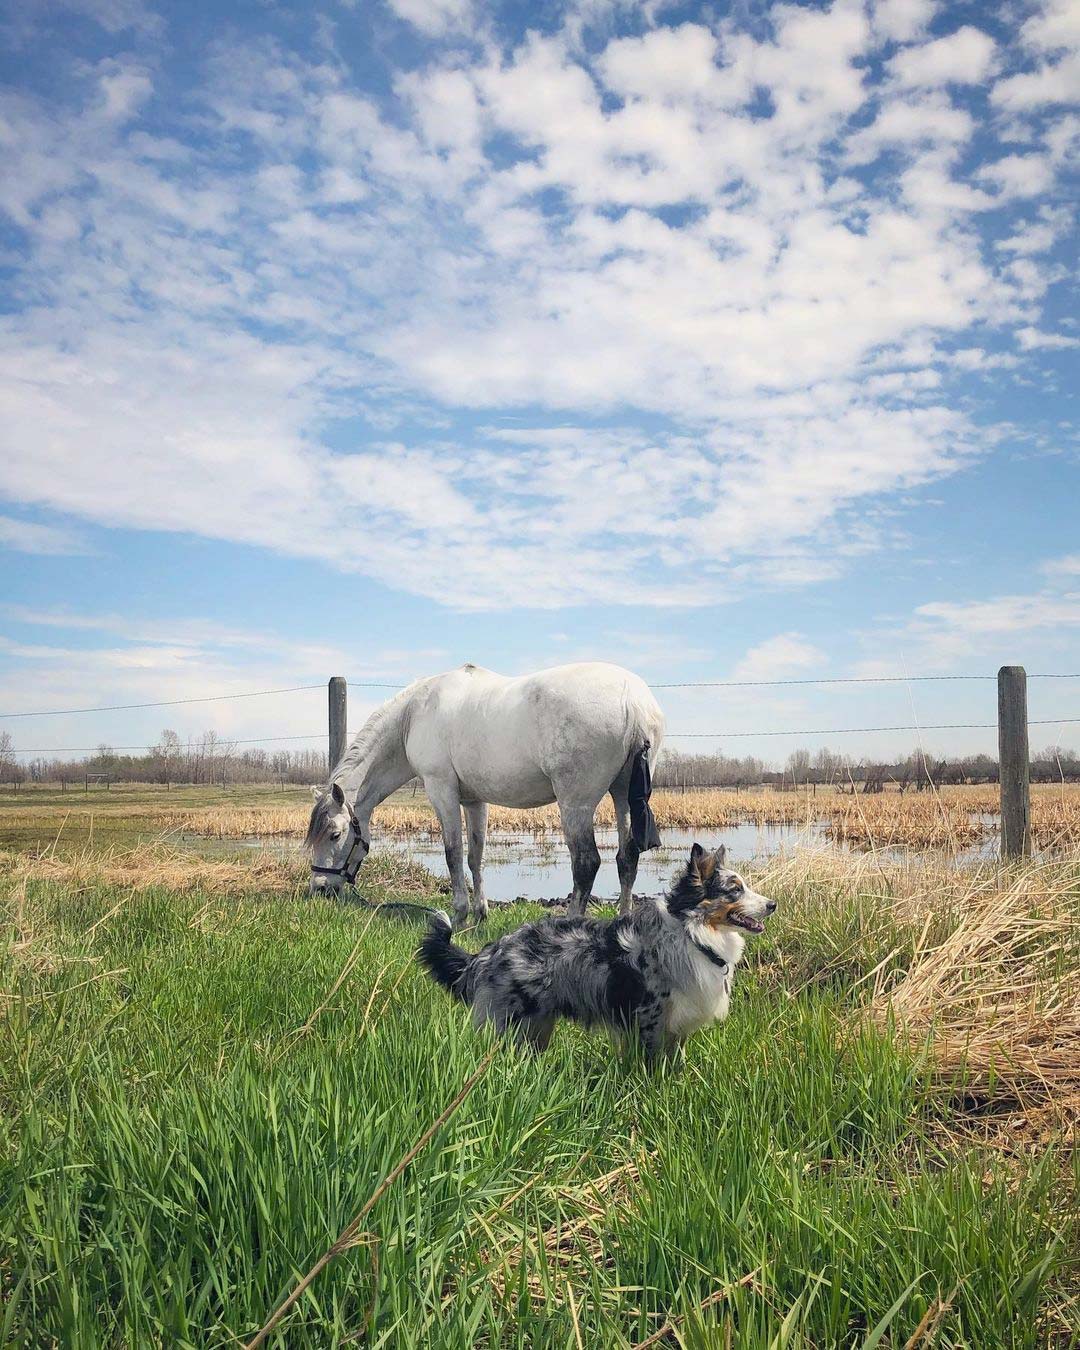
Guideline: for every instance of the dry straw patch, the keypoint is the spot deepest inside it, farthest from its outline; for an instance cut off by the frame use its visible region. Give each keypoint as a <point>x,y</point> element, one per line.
<point>999,995</point>
<point>565,1252</point>
<point>161,864</point>
<point>152,865</point>
<point>948,818</point>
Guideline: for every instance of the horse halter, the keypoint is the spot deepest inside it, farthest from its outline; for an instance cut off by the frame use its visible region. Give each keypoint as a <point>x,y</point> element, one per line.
<point>349,867</point>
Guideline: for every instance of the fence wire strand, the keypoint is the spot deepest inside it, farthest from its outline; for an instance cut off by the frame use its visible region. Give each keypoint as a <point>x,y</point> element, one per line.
<point>384,684</point>
<point>228,743</point>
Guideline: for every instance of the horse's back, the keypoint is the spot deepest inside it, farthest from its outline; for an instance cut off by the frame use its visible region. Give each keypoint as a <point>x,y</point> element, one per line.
<point>517,740</point>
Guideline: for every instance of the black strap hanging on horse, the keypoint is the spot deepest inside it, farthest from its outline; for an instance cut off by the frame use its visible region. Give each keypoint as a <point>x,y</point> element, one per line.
<point>643,829</point>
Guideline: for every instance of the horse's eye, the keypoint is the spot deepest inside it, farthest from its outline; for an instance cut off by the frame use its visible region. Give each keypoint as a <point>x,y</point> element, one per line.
<point>335,834</point>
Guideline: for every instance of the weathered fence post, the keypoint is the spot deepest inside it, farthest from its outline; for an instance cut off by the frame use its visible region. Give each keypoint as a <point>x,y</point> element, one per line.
<point>338,698</point>
<point>1014,768</point>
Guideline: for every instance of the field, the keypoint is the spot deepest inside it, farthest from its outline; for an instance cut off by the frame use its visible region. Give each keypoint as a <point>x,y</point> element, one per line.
<point>950,817</point>
<point>205,1075</point>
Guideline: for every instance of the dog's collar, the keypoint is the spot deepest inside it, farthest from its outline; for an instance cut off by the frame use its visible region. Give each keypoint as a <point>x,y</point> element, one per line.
<point>710,955</point>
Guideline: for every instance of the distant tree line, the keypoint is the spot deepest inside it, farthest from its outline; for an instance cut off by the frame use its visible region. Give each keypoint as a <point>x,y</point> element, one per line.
<point>210,758</point>
<point>915,771</point>
<point>207,758</point>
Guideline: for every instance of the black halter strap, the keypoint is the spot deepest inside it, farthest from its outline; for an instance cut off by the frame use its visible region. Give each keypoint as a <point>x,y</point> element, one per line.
<point>351,865</point>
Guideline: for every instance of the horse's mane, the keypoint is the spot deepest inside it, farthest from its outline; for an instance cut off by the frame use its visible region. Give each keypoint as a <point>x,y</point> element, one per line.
<point>352,761</point>
<point>370,733</point>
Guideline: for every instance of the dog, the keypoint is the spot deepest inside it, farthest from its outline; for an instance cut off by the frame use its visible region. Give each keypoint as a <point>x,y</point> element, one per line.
<point>661,972</point>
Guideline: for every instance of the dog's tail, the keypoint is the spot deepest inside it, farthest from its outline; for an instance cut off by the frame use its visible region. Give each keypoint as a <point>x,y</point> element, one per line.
<point>446,964</point>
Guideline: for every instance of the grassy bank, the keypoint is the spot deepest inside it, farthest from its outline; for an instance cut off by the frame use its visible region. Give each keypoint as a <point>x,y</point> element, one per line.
<point>205,1077</point>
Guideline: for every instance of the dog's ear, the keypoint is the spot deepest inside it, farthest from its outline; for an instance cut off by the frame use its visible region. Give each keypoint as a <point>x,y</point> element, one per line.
<point>338,794</point>
<point>688,889</point>
<point>721,856</point>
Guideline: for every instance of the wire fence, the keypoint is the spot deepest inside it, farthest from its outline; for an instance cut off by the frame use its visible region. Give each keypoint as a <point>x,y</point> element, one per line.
<point>675,734</point>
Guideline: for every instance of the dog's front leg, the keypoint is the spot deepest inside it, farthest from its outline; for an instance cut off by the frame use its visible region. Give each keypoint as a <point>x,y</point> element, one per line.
<point>655,1042</point>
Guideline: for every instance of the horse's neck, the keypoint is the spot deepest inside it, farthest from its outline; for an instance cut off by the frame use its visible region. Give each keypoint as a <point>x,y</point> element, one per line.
<point>382,768</point>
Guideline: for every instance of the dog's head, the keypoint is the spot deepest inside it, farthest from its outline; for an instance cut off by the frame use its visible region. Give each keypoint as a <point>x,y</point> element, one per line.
<point>708,892</point>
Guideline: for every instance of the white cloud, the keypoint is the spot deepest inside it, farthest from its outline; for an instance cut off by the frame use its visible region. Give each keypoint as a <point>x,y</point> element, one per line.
<point>1053,83</point>
<point>1039,235</point>
<point>903,20</point>
<point>267,333</point>
<point>667,63</point>
<point>434,17</point>
<point>779,656</point>
<point>1067,566</point>
<point>107,659</point>
<point>1052,37</point>
<point>1032,339</point>
<point>25,536</point>
<point>1019,175</point>
<point>1006,614</point>
<point>964,57</point>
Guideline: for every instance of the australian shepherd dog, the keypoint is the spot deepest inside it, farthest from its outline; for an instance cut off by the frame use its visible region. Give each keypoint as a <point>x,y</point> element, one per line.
<point>662,971</point>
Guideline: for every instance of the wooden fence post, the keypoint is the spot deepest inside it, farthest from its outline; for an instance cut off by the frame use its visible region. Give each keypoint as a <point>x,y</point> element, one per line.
<point>1014,769</point>
<point>338,703</point>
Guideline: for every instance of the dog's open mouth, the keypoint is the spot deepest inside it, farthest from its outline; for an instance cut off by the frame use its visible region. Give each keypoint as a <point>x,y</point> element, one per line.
<point>745,921</point>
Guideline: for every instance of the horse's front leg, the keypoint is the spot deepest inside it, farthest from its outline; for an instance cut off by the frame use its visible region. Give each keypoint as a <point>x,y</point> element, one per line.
<point>476,815</point>
<point>444,798</point>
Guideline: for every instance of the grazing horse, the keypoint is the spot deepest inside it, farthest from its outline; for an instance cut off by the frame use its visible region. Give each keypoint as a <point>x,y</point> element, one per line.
<point>474,738</point>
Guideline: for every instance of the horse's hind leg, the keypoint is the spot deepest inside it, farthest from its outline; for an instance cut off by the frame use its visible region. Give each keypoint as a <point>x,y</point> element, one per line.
<point>447,803</point>
<point>627,857</point>
<point>577,823</point>
<point>476,814</point>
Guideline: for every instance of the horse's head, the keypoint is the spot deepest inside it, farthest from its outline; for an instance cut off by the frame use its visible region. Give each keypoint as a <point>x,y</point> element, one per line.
<point>337,841</point>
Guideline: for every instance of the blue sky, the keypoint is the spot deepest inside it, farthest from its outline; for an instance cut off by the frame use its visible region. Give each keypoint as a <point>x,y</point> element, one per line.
<point>376,337</point>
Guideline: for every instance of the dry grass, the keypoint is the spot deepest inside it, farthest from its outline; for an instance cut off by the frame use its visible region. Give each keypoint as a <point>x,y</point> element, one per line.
<point>949,818</point>
<point>998,994</point>
<point>551,1260</point>
<point>161,864</point>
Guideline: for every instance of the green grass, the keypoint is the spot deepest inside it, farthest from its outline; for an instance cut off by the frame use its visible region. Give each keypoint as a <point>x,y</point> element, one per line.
<point>181,1141</point>
<point>126,814</point>
<point>39,815</point>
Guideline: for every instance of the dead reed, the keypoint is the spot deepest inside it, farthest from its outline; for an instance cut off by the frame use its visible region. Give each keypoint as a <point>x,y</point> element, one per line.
<point>954,817</point>
<point>998,994</point>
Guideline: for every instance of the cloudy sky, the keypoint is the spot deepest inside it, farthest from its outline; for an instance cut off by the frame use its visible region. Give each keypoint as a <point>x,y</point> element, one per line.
<point>724,342</point>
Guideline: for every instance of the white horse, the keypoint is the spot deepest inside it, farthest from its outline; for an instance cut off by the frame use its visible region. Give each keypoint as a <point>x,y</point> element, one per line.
<point>565,735</point>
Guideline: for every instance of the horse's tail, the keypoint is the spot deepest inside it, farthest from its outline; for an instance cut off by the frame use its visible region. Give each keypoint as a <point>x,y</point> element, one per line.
<point>446,964</point>
<point>643,829</point>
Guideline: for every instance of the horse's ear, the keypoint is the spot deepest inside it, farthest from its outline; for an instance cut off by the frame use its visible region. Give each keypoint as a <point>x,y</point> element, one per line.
<point>721,856</point>
<point>338,794</point>
<point>316,792</point>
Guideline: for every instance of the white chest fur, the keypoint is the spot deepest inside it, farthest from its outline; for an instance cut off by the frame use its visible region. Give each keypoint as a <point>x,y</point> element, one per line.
<point>705,998</point>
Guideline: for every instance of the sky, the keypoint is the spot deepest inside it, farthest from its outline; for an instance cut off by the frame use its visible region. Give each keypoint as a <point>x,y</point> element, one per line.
<point>374,336</point>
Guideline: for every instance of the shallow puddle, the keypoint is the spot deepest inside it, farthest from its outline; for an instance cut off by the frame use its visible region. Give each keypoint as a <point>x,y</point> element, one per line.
<point>533,867</point>
<point>537,867</point>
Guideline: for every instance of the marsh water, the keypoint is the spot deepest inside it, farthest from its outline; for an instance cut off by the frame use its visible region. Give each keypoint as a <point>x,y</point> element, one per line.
<point>533,867</point>
<point>527,866</point>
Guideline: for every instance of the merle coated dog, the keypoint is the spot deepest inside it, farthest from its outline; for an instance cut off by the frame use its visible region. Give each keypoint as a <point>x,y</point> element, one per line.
<point>663,970</point>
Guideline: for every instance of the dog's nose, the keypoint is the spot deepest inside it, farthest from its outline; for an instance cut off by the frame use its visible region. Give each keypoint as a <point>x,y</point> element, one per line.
<point>770,908</point>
